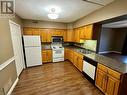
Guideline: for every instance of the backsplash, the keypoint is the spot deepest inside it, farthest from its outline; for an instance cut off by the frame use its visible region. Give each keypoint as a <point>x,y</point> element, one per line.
<point>88,44</point>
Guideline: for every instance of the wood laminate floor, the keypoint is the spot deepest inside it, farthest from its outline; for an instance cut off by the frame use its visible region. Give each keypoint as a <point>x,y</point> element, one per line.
<point>54,79</point>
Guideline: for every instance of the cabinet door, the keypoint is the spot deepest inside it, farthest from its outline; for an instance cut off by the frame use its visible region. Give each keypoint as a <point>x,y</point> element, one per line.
<point>66,54</point>
<point>43,35</point>
<point>80,64</point>
<point>28,31</point>
<point>48,35</point>
<point>82,32</point>
<point>70,56</point>
<point>112,86</point>
<point>76,35</point>
<point>88,32</point>
<point>70,35</point>
<point>36,31</point>
<point>75,60</point>
<point>101,80</point>
<point>65,35</point>
<point>44,56</point>
<point>49,55</point>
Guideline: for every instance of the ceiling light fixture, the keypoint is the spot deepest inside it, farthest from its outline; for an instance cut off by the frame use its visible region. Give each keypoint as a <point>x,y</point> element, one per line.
<point>53,14</point>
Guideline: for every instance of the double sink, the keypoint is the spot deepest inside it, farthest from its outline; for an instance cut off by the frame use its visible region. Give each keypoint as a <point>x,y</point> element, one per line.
<point>84,51</point>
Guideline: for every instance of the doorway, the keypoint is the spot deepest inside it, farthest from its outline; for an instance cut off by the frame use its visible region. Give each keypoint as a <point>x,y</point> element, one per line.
<point>124,50</point>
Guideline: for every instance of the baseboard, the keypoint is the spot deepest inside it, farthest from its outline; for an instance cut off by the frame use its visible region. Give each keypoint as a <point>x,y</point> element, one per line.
<point>12,87</point>
<point>109,52</point>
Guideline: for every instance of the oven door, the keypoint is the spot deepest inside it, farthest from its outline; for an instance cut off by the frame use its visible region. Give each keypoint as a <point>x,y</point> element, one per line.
<point>58,53</point>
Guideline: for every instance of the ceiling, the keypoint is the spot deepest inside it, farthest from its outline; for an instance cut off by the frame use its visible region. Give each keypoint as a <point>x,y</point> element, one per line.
<point>69,10</point>
<point>118,24</point>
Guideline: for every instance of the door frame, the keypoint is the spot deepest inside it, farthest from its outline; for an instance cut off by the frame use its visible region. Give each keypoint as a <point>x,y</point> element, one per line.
<point>11,22</point>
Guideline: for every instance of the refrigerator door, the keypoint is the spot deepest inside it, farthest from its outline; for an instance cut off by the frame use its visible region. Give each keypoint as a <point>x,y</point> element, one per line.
<point>33,56</point>
<point>32,41</point>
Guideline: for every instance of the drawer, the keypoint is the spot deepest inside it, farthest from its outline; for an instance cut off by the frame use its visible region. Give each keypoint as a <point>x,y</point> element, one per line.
<point>114,74</point>
<point>102,67</point>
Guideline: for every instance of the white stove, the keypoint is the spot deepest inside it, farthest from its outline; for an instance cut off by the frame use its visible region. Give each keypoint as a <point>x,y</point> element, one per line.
<point>58,52</point>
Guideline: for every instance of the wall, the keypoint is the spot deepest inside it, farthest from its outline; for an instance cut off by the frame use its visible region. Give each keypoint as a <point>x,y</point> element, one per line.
<point>6,51</point>
<point>119,38</point>
<point>44,24</point>
<point>112,39</point>
<point>114,9</point>
<point>7,75</point>
<point>106,40</point>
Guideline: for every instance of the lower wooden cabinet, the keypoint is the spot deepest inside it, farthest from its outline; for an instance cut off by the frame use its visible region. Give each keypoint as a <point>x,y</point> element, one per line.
<point>71,56</point>
<point>112,86</point>
<point>75,58</point>
<point>66,53</point>
<point>46,56</point>
<point>78,61</point>
<point>101,81</point>
<point>107,80</point>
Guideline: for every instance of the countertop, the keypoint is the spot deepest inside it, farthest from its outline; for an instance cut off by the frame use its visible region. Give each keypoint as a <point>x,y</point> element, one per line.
<point>107,61</point>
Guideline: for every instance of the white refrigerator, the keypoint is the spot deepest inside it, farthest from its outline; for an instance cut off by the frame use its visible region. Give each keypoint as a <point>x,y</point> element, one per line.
<point>33,50</point>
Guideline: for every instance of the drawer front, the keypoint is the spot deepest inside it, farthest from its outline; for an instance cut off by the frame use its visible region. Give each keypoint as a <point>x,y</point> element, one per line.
<point>114,74</point>
<point>102,67</point>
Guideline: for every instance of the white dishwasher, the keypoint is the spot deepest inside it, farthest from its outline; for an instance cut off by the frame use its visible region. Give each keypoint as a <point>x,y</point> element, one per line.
<point>89,69</point>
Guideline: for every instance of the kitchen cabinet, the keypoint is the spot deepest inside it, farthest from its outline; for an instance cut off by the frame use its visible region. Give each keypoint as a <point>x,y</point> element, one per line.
<point>101,80</point>
<point>78,60</point>
<point>28,31</point>
<point>86,32</point>
<point>46,56</point>
<point>58,32</point>
<point>112,86</point>
<point>75,62</point>
<point>82,32</point>
<point>36,32</point>
<point>70,55</point>
<point>46,35</point>
<point>70,35</point>
<point>77,35</point>
<point>107,80</point>
<point>66,53</point>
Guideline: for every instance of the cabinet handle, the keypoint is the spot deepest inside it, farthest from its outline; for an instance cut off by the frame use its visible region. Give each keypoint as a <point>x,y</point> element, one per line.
<point>106,77</point>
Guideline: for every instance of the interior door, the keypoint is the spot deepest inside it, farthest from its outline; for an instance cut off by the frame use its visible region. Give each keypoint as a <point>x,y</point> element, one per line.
<point>17,46</point>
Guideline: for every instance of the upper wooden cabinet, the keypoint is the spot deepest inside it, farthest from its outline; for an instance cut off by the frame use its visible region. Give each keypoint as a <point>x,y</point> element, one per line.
<point>28,31</point>
<point>89,32</point>
<point>69,35</point>
<point>77,35</point>
<point>46,35</point>
<point>107,80</point>
<point>86,32</point>
<point>58,32</point>
<point>82,32</point>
